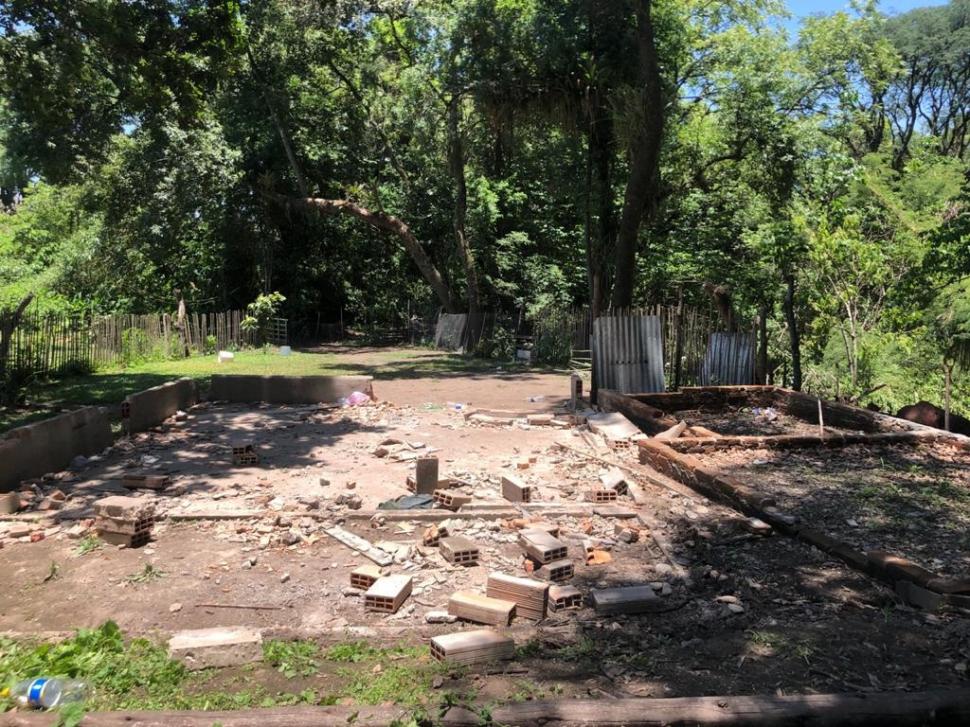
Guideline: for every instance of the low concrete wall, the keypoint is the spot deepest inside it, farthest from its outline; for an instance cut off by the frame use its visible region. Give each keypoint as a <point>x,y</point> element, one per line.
<point>288,389</point>
<point>151,407</point>
<point>50,445</point>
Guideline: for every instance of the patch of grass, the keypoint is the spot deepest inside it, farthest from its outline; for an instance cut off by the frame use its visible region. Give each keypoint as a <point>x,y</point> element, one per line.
<point>88,544</point>
<point>410,685</point>
<point>146,575</point>
<point>582,650</point>
<point>293,658</point>
<point>526,690</point>
<point>355,652</point>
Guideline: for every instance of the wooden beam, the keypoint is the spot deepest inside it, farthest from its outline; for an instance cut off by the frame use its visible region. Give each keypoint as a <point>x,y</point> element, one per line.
<point>900,709</point>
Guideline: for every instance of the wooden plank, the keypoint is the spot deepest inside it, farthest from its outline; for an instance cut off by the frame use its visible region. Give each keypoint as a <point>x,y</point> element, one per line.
<point>890,709</point>
<point>481,609</point>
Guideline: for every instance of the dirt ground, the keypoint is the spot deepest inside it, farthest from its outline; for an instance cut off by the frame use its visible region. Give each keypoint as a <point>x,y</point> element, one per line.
<point>912,500</point>
<point>753,421</point>
<point>737,613</point>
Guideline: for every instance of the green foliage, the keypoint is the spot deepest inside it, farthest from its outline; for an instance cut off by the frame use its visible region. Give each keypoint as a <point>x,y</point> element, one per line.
<point>260,314</point>
<point>292,658</point>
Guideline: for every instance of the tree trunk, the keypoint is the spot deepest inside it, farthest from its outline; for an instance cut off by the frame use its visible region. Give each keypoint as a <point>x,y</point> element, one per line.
<point>601,147</point>
<point>642,186</point>
<point>388,223</point>
<point>456,160</point>
<point>8,383</point>
<point>796,350</point>
<point>947,393</point>
<point>761,370</point>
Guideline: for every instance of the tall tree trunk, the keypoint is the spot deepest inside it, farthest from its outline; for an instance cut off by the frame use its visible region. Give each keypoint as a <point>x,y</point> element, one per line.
<point>456,160</point>
<point>947,393</point>
<point>796,349</point>
<point>601,147</point>
<point>761,369</point>
<point>643,184</point>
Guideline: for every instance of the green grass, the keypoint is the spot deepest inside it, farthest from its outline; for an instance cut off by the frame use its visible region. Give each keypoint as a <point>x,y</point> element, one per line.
<point>138,675</point>
<point>110,387</point>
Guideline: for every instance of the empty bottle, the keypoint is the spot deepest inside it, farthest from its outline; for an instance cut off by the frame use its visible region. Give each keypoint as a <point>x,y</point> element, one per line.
<point>47,693</point>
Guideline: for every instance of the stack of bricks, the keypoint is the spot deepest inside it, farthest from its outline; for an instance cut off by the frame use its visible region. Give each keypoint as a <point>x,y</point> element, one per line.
<point>124,520</point>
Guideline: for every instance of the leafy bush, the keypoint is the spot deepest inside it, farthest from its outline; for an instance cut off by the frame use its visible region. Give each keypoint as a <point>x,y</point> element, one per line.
<point>135,346</point>
<point>260,314</point>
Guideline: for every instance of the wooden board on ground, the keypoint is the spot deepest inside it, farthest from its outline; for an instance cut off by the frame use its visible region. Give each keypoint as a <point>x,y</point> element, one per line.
<point>528,595</point>
<point>629,599</point>
<point>481,609</point>
<point>473,647</point>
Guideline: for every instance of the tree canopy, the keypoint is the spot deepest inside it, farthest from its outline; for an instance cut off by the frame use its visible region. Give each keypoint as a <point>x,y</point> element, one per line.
<point>374,159</point>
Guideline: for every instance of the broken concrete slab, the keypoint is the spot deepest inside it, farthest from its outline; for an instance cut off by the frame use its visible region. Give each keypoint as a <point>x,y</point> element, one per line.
<point>614,427</point>
<point>216,647</point>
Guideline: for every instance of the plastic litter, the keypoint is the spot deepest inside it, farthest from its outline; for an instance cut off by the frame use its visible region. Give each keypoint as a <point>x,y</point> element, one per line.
<point>285,350</point>
<point>408,502</point>
<point>358,398</point>
<point>47,693</point>
<point>226,356</point>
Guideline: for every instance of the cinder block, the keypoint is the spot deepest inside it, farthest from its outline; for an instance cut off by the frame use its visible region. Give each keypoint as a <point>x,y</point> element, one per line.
<point>388,593</point>
<point>425,475</point>
<point>146,482</point>
<point>244,455</point>
<point>481,609</point>
<point>541,546</point>
<point>218,647</point>
<point>515,490</point>
<point>564,598</point>
<point>601,495</point>
<point>556,571</point>
<point>450,500</point>
<point>124,508</point>
<point>528,595</point>
<point>365,576</point>
<point>473,647</point>
<point>458,550</point>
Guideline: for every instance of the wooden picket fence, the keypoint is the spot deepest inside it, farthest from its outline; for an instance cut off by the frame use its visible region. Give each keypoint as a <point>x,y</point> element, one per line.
<point>44,345</point>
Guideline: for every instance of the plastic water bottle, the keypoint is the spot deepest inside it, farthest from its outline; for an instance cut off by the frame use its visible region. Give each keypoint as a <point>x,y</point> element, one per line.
<point>47,693</point>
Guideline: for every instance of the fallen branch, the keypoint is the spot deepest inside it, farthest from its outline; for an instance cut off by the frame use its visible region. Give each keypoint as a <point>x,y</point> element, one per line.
<point>240,606</point>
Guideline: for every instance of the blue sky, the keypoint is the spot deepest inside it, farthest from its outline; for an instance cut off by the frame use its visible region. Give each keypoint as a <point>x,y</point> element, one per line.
<point>804,8</point>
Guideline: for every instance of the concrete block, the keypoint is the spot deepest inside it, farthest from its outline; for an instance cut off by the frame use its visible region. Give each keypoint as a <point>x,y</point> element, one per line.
<point>564,598</point>
<point>151,407</point>
<point>515,490</point>
<point>288,389</point>
<point>528,595</point>
<point>481,609</point>
<point>124,508</point>
<point>557,571</point>
<point>388,593</point>
<point>631,599</point>
<point>216,647</point>
<point>425,475</point>
<point>541,546</point>
<point>450,500</point>
<point>50,445</point>
<point>473,647</point>
<point>365,576</point>
<point>458,550</point>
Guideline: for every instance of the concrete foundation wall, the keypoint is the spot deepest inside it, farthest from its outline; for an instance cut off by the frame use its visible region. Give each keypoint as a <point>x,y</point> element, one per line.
<point>288,389</point>
<point>151,407</point>
<point>50,445</point>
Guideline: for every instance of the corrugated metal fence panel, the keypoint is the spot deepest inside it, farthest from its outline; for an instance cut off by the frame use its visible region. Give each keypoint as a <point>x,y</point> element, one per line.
<point>450,331</point>
<point>628,353</point>
<point>729,360</point>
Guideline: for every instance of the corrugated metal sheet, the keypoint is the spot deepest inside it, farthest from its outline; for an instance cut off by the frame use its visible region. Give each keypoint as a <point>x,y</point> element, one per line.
<point>729,360</point>
<point>628,353</point>
<point>449,334</point>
